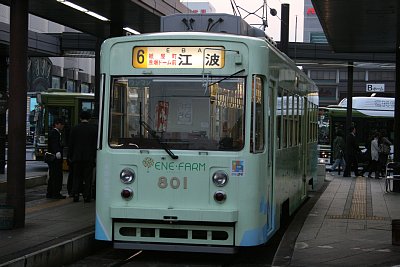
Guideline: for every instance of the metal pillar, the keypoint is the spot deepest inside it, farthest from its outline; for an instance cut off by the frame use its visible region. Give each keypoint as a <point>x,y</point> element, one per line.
<point>97,76</point>
<point>350,70</point>
<point>116,23</point>
<point>17,111</point>
<point>3,109</point>
<point>284,43</point>
<point>396,139</point>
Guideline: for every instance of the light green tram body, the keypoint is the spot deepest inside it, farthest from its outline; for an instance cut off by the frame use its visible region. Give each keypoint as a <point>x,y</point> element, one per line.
<point>173,199</point>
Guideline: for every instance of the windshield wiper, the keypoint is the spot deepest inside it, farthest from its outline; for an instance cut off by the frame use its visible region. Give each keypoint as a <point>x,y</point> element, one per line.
<point>227,77</point>
<point>155,136</point>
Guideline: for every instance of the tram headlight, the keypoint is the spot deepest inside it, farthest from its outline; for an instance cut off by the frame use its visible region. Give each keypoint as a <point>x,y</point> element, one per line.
<point>127,193</point>
<point>220,178</point>
<point>220,196</point>
<point>127,176</point>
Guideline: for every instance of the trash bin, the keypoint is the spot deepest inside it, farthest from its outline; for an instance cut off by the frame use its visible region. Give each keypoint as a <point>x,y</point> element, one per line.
<point>6,217</point>
<point>396,232</point>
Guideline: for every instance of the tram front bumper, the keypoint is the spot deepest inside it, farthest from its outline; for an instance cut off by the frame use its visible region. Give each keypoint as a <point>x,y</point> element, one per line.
<point>174,226</point>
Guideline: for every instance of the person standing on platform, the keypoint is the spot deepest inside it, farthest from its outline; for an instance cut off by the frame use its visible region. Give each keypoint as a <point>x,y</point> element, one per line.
<point>384,151</point>
<point>82,155</point>
<point>338,152</point>
<point>351,154</point>
<point>55,147</point>
<point>373,167</point>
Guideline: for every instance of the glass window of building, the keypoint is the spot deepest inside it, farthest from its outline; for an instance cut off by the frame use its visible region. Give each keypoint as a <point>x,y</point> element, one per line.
<point>70,86</point>
<point>357,75</point>
<point>323,75</point>
<point>381,76</point>
<point>84,88</point>
<point>55,82</point>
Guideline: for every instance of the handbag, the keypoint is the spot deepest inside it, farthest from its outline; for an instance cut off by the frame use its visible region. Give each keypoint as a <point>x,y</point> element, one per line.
<point>49,157</point>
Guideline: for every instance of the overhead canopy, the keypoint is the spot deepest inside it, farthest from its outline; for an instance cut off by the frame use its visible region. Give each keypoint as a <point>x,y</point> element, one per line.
<point>141,15</point>
<point>355,26</point>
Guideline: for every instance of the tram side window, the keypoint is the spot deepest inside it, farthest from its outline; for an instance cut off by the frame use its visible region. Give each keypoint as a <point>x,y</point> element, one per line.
<point>301,119</point>
<point>290,120</point>
<point>87,106</point>
<point>296,120</point>
<point>117,116</point>
<point>315,122</point>
<point>309,115</point>
<point>257,134</point>
<point>64,113</point>
<point>279,117</point>
<point>285,121</point>
<point>312,122</point>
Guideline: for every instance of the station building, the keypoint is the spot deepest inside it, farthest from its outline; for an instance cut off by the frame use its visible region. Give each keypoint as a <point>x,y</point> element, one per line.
<point>376,79</point>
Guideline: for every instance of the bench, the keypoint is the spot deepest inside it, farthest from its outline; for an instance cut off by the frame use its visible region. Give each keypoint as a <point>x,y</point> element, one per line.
<point>391,169</point>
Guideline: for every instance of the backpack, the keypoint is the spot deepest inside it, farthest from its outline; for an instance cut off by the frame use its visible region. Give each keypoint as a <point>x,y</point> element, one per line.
<point>384,149</point>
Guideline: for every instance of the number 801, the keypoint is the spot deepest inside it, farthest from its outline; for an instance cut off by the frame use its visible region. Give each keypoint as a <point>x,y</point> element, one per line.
<point>174,182</point>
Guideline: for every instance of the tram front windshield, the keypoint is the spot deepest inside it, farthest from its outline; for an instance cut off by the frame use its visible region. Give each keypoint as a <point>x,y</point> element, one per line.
<point>191,113</point>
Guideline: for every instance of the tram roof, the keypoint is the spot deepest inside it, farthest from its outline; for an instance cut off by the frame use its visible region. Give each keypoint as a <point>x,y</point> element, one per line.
<point>365,106</point>
<point>359,25</point>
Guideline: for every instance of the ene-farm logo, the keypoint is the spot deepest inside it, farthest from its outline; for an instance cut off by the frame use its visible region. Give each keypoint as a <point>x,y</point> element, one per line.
<point>173,166</point>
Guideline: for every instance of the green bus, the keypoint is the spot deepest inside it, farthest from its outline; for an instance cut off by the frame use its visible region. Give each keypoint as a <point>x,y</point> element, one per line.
<point>369,115</point>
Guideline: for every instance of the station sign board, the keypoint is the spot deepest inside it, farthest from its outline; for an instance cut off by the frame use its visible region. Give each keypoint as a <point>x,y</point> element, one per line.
<point>178,57</point>
<point>375,87</point>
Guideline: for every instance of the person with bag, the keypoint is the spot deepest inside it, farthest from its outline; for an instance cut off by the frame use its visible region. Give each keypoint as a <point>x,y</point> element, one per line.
<point>384,151</point>
<point>55,147</point>
<point>82,151</point>
<point>338,154</point>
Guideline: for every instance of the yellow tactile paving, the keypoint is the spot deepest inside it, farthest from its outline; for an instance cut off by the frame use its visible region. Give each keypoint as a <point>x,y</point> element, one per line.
<point>47,204</point>
<point>358,208</point>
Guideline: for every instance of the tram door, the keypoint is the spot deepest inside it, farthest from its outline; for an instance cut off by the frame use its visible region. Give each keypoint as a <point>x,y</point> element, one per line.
<point>261,141</point>
<point>305,137</point>
<point>271,117</point>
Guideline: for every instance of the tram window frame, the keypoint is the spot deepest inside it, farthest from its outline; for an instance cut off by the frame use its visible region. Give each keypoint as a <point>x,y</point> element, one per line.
<point>257,129</point>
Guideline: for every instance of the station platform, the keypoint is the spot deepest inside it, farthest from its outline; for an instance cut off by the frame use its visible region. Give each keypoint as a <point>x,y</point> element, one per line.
<point>56,232</point>
<point>347,222</point>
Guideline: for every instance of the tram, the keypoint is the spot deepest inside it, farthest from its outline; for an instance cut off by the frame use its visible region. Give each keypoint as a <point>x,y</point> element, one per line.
<point>57,103</point>
<point>207,137</point>
<point>369,115</point>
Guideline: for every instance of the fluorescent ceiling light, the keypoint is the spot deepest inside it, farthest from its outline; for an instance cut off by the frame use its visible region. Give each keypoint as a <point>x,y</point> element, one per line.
<point>82,9</point>
<point>131,30</point>
<point>97,16</point>
<point>74,6</point>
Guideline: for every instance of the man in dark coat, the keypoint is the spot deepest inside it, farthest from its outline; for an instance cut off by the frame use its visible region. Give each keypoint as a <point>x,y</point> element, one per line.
<point>55,147</point>
<point>352,151</point>
<point>82,155</point>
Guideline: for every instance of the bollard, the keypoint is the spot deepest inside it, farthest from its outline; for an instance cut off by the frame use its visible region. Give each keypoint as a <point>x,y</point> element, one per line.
<point>6,217</point>
<point>396,232</point>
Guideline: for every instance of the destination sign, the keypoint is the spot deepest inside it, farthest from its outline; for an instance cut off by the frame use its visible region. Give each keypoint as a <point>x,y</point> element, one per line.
<point>178,57</point>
